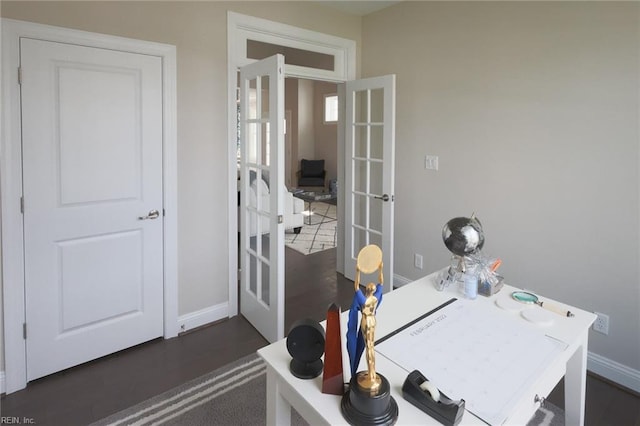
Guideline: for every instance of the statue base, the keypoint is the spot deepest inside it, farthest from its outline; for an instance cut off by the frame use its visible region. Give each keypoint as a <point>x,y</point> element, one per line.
<point>362,407</point>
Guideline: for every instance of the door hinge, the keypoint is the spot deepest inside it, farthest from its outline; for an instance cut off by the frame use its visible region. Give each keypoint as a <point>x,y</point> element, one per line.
<point>24,330</point>
<point>22,205</point>
<point>163,213</point>
<point>20,75</point>
<point>280,219</point>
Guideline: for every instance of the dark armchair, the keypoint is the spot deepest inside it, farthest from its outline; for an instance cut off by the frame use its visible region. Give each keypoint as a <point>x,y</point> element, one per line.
<point>311,173</point>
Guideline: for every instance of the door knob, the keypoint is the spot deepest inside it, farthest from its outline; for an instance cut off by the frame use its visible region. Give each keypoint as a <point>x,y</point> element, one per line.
<point>384,197</point>
<point>153,214</point>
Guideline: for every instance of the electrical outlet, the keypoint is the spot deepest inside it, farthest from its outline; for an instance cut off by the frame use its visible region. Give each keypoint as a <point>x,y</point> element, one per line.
<point>417,261</point>
<point>601,325</point>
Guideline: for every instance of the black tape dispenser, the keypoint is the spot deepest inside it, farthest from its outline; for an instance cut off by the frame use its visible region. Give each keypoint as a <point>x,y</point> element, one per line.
<point>426,396</point>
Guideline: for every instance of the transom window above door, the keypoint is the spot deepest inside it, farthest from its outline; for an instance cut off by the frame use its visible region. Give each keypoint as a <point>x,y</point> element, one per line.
<point>292,56</point>
<point>308,54</point>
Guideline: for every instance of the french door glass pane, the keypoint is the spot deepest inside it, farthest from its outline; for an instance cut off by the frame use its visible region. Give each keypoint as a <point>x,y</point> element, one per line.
<point>252,143</point>
<point>360,175</point>
<point>251,273</point>
<point>264,97</point>
<point>375,215</point>
<point>360,145</point>
<point>375,144</point>
<point>252,110</point>
<point>359,241</point>
<point>377,105</point>
<point>375,178</point>
<point>264,294</point>
<point>361,106</point>
<point>375,238</point>
<point>258,261</point>
<point>360,210</point>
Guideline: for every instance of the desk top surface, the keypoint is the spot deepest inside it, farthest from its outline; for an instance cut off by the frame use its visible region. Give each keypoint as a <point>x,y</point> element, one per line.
<point>398,308</point>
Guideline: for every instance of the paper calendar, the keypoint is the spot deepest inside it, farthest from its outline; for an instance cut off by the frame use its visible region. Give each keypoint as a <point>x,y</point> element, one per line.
<point>508,355</point>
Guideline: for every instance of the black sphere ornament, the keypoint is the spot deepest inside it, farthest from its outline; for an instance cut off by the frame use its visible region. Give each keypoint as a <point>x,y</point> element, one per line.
<point>305,343</point>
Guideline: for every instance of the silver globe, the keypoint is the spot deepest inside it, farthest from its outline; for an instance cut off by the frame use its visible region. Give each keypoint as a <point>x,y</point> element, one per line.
<point>463,235</point>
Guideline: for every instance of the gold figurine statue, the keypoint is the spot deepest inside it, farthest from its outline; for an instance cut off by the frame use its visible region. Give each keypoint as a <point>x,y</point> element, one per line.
<point>368,399</point>
<point>369,259</point>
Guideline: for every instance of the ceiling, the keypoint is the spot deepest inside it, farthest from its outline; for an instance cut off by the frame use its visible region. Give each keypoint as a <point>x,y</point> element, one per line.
<point>359,7</point>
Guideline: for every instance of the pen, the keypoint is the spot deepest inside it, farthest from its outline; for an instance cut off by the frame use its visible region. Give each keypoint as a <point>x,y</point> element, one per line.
<point>496,265</point>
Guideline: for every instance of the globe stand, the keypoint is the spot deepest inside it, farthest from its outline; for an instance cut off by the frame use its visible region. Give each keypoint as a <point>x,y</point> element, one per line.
<point>361,407</point>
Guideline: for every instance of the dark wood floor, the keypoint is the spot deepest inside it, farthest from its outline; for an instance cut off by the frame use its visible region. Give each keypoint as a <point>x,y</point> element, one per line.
<point>97,389</point>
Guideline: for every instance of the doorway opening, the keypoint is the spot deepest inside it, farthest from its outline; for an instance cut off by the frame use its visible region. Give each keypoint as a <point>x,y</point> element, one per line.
<point>308,135</point>
<point>364,159</point>
<point>297,43</point>
<point>311,141</point>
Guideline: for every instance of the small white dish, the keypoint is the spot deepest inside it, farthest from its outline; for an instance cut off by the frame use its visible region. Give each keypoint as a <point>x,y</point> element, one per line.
<point>538,316</point>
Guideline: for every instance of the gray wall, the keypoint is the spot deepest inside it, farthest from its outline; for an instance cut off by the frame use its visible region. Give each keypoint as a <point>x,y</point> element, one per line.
<point>306,133</point>
<point>532,108</point>
<point>326,134</point>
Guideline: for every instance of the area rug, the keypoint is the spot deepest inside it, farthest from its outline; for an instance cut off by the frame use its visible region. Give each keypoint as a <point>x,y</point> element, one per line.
<point>231,395</point>
<point>235,395</point>
<point>319,235</point>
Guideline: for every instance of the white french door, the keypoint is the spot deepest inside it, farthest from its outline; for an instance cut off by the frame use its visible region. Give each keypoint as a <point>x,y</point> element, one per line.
<point>92,182</point>
<point>369,170</point>
<point>262,193</point>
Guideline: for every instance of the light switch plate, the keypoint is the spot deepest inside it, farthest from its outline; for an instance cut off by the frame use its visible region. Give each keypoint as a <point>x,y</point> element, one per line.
<point>431,162</point>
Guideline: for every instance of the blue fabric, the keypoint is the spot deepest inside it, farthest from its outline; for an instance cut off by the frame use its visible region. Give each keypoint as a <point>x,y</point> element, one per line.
<point>355,339</point>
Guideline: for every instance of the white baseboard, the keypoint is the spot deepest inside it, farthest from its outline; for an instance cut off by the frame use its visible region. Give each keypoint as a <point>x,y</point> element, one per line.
<point>614,371</point>
<point>203,316</point>
<point>3,388</point>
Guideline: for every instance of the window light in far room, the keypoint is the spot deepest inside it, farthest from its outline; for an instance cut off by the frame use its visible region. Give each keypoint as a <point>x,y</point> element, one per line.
<point>330,108</point>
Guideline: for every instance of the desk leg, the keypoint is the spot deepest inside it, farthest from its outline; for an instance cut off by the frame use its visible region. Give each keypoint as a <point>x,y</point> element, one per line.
<point>575,383</point>
<point>278,408</point>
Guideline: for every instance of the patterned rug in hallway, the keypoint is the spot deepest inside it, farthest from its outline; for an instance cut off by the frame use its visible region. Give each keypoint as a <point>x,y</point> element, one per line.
<point>320,235</point>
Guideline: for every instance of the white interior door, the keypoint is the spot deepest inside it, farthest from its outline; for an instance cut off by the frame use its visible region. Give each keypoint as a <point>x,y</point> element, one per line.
<point>92,186</point>
<point>369,170</point>
<point>262,193</point>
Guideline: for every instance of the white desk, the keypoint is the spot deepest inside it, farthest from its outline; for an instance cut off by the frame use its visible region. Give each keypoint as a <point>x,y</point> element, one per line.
<point>400,307</point>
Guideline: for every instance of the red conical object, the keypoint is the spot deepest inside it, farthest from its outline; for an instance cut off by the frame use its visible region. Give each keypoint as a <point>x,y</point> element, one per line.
<point>332,379</point>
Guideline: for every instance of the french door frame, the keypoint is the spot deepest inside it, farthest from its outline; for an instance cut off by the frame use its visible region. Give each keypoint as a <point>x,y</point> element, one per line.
<point>13,279</point>
<point>239,29</point>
